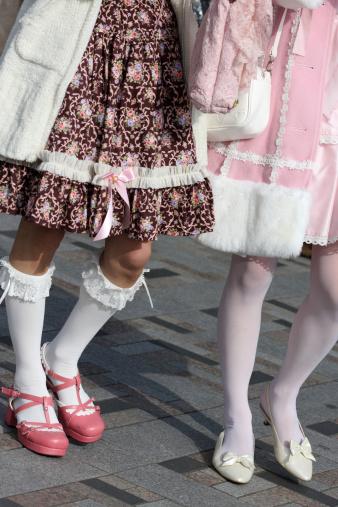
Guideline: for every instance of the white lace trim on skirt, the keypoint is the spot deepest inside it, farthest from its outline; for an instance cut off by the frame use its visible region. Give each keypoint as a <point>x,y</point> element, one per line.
<point>87,171</point>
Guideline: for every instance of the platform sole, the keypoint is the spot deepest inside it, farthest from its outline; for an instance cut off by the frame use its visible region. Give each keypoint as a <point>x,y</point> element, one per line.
<point>40,449</point>
<point>83,439</point>
<point>31,446</point>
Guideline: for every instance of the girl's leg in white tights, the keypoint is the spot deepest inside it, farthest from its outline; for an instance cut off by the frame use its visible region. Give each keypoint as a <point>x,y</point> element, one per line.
<point>313,335</point>
<point>239,324</point>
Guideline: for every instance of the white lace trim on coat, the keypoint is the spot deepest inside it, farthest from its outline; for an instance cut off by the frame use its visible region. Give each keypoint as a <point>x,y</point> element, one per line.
<point>328,139</point>
<point>320,240</point>
<point>87,171</point>
<point>287,85</point>
<point>270,160</point>
<point>30,288</point>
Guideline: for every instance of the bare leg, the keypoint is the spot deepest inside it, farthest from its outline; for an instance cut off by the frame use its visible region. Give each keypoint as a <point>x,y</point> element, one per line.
<point>34,248</point>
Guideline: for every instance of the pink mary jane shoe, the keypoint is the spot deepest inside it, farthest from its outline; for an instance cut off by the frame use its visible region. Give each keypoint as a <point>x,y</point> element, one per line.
<point>44,438</point>
<point>83,421</point>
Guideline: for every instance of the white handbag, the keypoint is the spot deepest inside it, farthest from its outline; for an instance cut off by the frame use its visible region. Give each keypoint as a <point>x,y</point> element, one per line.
<point>251,115</point>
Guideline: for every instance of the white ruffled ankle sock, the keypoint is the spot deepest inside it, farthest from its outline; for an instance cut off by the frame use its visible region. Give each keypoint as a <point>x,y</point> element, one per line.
<point>99,300</point>
<point>25,305</point>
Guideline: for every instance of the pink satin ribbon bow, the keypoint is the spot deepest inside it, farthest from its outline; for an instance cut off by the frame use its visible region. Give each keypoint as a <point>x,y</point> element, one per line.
<point>117,181</point>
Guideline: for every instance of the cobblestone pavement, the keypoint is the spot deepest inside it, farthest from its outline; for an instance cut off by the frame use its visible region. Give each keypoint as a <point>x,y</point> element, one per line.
<point>156,375</point>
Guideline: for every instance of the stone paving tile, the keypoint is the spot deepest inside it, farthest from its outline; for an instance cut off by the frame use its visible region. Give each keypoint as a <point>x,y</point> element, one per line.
<point>280,496</point>
<point>161,503</point>
<point>107,493</point>
<point>183,465</point>
<point>144,494</point>
<point>50,497</point>
<point>182,489</point>
<point>104,493</point>
<point>206,476</point>
<point>126,417</point>
<point>5,502</point>
<point>143,347</point>
<point>329,477</point>
<point>29,472</point>
<point>333,492</point>
<point>90,503</point>
<point>257,484</point>
<point>9,442</point>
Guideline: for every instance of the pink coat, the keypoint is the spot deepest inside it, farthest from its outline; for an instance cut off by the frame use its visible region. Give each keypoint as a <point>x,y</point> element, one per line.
<point>261,199</point>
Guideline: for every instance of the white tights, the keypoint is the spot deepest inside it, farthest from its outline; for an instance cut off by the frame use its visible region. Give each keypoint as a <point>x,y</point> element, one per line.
<point>313,335</point>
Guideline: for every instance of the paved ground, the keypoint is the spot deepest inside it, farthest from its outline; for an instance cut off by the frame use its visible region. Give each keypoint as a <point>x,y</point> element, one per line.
<point>158,381</point>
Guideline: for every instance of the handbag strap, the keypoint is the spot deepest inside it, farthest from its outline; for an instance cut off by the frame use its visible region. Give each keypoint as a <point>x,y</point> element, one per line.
<point>274,49</point>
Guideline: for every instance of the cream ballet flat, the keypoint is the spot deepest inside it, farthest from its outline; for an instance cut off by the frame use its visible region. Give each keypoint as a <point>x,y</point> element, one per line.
<point>297,459</point>
<point>239,469</point>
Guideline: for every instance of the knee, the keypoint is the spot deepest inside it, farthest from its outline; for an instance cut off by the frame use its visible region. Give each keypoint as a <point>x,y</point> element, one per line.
<point>135,260</point>
<point>126,267</point>
<point>328,297</point>
<point>252,279</point>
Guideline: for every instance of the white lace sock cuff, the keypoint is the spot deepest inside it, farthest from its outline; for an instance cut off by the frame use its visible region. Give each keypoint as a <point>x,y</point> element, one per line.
<point>30,288</point>
<point>103,290</point>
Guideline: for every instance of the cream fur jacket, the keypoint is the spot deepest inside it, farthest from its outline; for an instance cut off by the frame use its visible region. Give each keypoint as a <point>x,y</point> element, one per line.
<point>34,76</point>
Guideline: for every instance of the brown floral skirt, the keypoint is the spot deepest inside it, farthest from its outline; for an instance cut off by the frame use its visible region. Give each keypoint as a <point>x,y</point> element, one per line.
<point>125,107</point>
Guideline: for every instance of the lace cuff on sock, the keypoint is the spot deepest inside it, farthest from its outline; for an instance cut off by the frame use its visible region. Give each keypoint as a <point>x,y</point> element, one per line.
<point>103,290</point>
<point>29,288</point>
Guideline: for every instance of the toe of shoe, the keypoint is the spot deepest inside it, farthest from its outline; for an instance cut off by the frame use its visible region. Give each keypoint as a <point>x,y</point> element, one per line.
<point>90,428</point>
<point>302,469</point>
<point>235,473</point>
<point>50,440</point>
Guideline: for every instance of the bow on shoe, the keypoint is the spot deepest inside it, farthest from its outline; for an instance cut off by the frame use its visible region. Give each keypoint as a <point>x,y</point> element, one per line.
<point>245,460</point>
<point>28,428</point>
<point>304,448</point>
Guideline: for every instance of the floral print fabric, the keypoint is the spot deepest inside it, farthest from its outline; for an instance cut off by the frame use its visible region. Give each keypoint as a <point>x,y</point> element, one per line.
<point>126,107</point>
<point>58,202</point>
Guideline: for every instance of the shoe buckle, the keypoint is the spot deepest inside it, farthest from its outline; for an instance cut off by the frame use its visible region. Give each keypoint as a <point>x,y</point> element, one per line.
<point>12,393</point>
<point>45,404</point>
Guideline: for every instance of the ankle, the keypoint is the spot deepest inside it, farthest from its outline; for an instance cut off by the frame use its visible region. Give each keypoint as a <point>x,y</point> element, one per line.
<point>57,362</point>
<point>35,386</point>
<point>241,418</point>
<point>281,393</point>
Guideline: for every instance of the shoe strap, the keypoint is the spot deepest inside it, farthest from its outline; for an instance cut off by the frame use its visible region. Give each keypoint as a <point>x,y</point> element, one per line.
<point>89,404</point>
<point>66,383</point>
<point>33,401</point>
<point>30,426</point>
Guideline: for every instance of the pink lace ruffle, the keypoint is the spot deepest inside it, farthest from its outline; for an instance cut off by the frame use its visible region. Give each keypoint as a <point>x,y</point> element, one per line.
<point>231,42</point>
<point>250,30</point>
